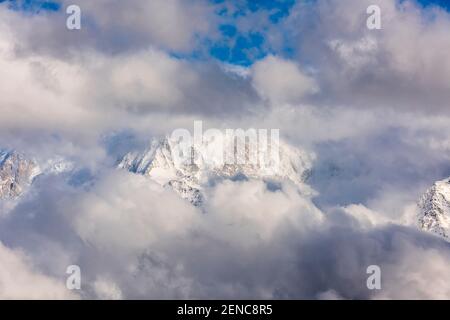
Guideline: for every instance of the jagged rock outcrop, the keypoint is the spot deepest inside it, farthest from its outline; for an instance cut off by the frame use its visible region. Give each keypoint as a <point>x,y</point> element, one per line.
<point>188,179</point>
<point>434,213</point>
<point>16,173</point>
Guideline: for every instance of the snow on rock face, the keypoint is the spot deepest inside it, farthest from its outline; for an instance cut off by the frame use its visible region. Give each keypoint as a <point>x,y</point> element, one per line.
<point>434,213</point>
<point>188,179</point>
<point>16,174</point>
<point>157,163</point>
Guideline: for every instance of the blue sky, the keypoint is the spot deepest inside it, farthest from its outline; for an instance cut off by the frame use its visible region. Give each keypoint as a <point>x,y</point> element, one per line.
<point>442,3</point>
<point>33,5</point>
<point>244,48</point>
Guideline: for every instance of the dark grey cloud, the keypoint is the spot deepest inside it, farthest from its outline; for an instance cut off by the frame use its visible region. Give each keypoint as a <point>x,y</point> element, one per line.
<point>393,68</point>
<point>170,250</point>
<point>357,170</point>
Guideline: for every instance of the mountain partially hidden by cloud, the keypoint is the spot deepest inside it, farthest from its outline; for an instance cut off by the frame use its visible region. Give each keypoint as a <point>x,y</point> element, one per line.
<point>363,115</point>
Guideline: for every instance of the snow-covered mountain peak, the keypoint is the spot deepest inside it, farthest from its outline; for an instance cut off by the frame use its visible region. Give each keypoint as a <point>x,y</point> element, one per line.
<point>434,213</point>
<point>159,162</point>
<point>16,173</point>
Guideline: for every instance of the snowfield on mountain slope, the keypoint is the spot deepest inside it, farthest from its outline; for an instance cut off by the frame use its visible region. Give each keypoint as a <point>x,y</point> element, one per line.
<point>17,172</point>
<point>189,179</point>
<point>434,214</point>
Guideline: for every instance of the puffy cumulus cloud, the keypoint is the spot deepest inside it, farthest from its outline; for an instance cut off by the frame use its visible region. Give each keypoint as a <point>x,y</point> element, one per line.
<point>146,81</point>
<point>104,93</point>
<point>257,215</point>
<point>37,92</point>
<point>107,290</point>
<point>417,263</point>
<point>346,253</point>
<point>115,26</point>
<point>393,68</point>
<point>281,81</point>
<point>274,244</point>
<point>165,248</point>
<point>152,81</point>
<point>73,100</point>
<point>118,258</point>
<point>20,280</point>
<point>374,157</point>
<point>135,239</point>
<point>113,221</point>
<point>365,217</point>
<point>172,24</point>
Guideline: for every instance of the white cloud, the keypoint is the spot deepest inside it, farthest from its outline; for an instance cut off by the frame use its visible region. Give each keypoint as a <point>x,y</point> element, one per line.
<point>421,272</point>
<point>115,26</point>
<point>248,242</point>
<point>62,91</point>
<point>171,24</point>
<point>250,214</point>
<point>19,280</point>
<point>127,213</point>
<point>107,290</point>
<point>281,81</point>
<point>391,68</point>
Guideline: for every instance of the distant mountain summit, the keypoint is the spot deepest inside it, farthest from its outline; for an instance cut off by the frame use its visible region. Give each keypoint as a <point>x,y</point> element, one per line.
<point>188,179</point>
<point>434,214</point>
<point>16,173</point>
